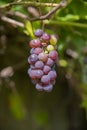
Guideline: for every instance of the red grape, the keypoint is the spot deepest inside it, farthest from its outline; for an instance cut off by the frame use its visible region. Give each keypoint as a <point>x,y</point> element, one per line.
<point>53,55</point>
<point>35,43</point>
<point>38,50</point>
<point>42,56</point>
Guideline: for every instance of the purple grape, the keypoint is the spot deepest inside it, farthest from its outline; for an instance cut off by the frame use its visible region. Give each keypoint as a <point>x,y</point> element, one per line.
<point>52,75</point>
<point>39,87</point>
<point>39,65</point>
<point>46,69</point>
<point>46,37</point>
<point>38,50</point>
<point>43,57</point>
<point>32,51</point>
<point>45,79</point>
<point>35,43</point>
<point>32,73</point>
<point>53,55</point>
<point>39,73</point>
<point>48,88</point>
<point>50,62</point>
<point>32,58</point>
<point>38,33</point>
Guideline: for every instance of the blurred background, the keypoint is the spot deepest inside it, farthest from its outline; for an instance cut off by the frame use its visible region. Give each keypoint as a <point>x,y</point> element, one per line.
<point>22,107</point>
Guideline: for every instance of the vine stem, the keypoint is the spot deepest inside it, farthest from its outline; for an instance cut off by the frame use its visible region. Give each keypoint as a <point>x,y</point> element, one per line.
<point>66,23</point>
<point>28,3</point>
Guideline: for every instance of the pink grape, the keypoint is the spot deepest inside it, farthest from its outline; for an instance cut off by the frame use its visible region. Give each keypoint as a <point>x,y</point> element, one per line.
<point>38,50</point>
<point>46,69</point>
<point>46,37</point>
<point>42,56</point>
<point>53,55</point>
<point>39,65</point>
<point>45,79</point>
<point>35,43</point>
<point>32,58</point>
<point>50,62</point>
<point>39,73</point>
<point>52,75</point>
<point>32,73</point>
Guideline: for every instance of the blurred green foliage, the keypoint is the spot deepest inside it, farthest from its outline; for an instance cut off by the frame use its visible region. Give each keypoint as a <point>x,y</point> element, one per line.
<point>21,106</point>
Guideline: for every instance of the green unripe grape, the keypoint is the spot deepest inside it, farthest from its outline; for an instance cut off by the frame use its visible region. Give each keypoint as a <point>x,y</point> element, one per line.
<point>50,48</point>
<point>53,40</point>
<point>46,52</point>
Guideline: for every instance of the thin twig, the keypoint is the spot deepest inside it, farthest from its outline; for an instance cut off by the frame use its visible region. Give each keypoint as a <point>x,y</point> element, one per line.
<point>29,3</point>
<point>13,22</point>
<point>49,14</point>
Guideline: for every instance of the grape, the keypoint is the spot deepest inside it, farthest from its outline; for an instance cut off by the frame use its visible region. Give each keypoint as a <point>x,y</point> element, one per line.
<point>46,37</point>
<point>38,50</point>
<point>39,65</point>
<point>53,40</point>
<point>39,87</point>
<point>50,48</point>
<point>42,56</point>
<point>48,88</point>
<point>32,51</point>
<point>46,69</point>
<point>53,55</point>
<point>45,79</point>
<point>52,75</point>
<point>38,33</point>
<point>39,73</point>
<point>32,73</point>
<point>50,62</point>
<point>42,59</point>
<point>35,43</point>
<point>32,58</point>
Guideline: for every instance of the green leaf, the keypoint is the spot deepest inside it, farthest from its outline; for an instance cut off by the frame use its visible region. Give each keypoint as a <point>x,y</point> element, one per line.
<point>28,29</point>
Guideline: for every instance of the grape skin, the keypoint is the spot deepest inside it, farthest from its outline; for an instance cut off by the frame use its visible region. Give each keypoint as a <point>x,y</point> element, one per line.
<point>53,55</point>
<point>52,75</point>
<point>43,57</point>
<point>46,69</point>
<point>35,43</point>
<point>32,58</point>
<point>39,65</point>
<point>45,79</point>
<point>46,37</point>
<point>37,50</point>
<point>50,62</point>
<point>38,33</point>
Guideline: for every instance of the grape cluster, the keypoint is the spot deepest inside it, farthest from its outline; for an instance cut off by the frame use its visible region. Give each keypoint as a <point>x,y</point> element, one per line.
<point>43,56</point>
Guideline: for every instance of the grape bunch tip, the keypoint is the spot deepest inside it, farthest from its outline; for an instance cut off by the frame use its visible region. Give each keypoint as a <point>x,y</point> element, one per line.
<point>42,59</point>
